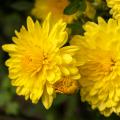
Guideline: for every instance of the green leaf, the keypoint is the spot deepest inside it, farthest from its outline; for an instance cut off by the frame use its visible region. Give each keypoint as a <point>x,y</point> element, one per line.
<point>74,6</point>
<point>5,83</point>
<point>82,5</point>
<point>12,108</point>
<point>76,28</point>
<point>71,8</point>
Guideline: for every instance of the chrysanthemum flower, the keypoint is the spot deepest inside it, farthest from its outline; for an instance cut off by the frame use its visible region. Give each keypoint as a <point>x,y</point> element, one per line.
<point>68,84</point>
<point>115,8</point>
<point>99,65</point>
<point>37,60</point>
<point>43,7</point>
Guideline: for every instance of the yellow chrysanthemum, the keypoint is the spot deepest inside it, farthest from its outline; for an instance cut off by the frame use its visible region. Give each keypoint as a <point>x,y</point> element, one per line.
<point>99,65</point>
<point>37,60</point>
<point>43,7</point>
<point>68,84</point>
<point>115,8</point>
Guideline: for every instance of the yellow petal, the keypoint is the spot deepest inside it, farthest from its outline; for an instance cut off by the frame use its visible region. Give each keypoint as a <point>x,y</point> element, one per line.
<point>47,100</point>
<point>50,76</point>
<point>73,70</point>
<point>50,89</point>
<point>65,71</point>
<point>30,24</point>
<point>70,49</point>
<point>46,24</point>
<point>9,47</point>
<point>76,77</point>
<point>67,58</point>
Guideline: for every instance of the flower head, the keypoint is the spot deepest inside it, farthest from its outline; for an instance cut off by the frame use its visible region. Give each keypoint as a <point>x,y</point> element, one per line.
<point>43,7</point>
<point>99,65</point>
<point>38,60</point>
<point>115,8</point>
<point>67,85</point>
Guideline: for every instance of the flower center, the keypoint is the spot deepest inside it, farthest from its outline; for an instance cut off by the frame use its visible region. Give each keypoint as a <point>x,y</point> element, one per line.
<point>99,65</point>
<point>66,86</point>
<point>107,65</point>
<point>34,63</point>
<point>105,62</point>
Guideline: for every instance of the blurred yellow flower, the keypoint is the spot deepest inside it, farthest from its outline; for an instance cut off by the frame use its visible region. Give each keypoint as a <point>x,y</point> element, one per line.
<point>90,10</point>
<point>98,2</point>
<point>99,64</point>
<point>115,8</point>
<point>43,7</point>
<point>37,60</point>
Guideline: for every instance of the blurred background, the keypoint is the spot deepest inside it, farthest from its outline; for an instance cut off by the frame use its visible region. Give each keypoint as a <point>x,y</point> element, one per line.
<point>13,14</point>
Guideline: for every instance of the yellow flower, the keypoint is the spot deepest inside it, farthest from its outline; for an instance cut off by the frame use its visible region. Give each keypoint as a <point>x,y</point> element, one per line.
<point>115,8</point>
<point>98,60</point>
<point>43,7</point>
<point>90,10</point>
<point>68,84</point>
<point>37,59</point>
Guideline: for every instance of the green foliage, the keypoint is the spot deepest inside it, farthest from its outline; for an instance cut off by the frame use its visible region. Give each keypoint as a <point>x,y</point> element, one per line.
<point>11,22</point>
<point>74,6</point>
<point>12,108</point>
<point>6,98</point>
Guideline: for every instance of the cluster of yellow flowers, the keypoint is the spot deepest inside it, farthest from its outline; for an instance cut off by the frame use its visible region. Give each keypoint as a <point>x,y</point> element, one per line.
<point>43,7</point>
<point>115,8</point>
<point>41,65</point>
